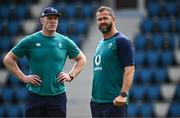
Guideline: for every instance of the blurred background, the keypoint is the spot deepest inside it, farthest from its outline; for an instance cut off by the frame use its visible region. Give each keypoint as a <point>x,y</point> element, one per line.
<point>152,25</point>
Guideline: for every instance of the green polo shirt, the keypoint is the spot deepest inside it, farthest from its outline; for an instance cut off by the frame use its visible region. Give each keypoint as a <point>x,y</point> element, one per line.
<point>110,58</point>
<point>46,56</point>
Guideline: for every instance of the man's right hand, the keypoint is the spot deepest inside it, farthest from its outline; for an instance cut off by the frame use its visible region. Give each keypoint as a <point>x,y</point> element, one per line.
<point>32,79</point>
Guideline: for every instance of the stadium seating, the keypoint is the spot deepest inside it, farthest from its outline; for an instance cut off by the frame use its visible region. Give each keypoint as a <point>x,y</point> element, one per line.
<point>155,90</point>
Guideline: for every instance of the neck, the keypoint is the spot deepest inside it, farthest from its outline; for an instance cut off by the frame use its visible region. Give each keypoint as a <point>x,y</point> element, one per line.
<point>110,34</point>
<point>48,33</point>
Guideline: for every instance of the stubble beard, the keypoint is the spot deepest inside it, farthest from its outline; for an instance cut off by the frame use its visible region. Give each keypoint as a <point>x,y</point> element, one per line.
<point>105,28</point>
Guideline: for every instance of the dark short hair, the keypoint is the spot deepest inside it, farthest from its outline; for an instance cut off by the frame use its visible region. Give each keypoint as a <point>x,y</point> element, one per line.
<point>105,8</point>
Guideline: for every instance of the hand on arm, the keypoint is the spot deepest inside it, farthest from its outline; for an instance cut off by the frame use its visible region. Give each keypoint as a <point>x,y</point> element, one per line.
<point>127,82</point>
<point>76,69</point>
<point>10,61</point>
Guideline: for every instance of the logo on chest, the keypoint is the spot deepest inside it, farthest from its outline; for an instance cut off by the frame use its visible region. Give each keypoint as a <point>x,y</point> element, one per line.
<point>110,45</point>
<point>38,44</point>
<point>60,45</point>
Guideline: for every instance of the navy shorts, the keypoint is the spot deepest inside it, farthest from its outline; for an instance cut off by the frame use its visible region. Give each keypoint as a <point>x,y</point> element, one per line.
<point>45,106</point>
<point>107,110</point>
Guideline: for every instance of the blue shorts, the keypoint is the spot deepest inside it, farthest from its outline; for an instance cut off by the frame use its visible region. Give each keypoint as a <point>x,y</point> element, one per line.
<point>46,106</point>
<point>107,110</point>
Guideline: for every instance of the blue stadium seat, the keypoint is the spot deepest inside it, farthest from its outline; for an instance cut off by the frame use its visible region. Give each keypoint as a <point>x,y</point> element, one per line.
<point>13,81</point>
<point>170,42</point>
<point>146,75</point>
<point>132,110</point>
<point>139,58</point>
<point>153,93</point>
<point>81,26</point>
<point>21,93</point>
<point>177,93</point>
<point>14,27</point>
<point>146,25</point>
<point>2,111</point>
<point>153,8</point>
<point>140,42</point>
<point>146,110</point>
<point>76,39</point>
<point>157,40</point>
<point>8,94</point>
<point>63,26</point>
<point>1,27</point>
<point>178,24</point>
<point>171,8</point>
<point>21,11</point>
<point>5,43</point>
<point>4,11</point>
<point>12,110</point>
<point>152,57</point>
<point>70,10</point>
<point>1,61</point>
<point>164,24</point>
<point>160,75</point>
<point>167,58</point>
<point>88,10</point>
<point>138,92</point>
<point>174,110</point>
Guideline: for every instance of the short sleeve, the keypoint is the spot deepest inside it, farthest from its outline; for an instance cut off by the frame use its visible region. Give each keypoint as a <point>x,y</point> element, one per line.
<point>73,49</point>
<point>20,49</point>
<point>125,52</point>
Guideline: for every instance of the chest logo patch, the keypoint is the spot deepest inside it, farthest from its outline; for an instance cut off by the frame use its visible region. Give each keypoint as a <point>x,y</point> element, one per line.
<point>38,44</point>
<point>60,45</point>
<point>110,45</point>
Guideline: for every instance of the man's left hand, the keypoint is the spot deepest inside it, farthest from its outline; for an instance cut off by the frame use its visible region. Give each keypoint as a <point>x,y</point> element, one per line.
<point>64,77</point>
<point>119,101</point>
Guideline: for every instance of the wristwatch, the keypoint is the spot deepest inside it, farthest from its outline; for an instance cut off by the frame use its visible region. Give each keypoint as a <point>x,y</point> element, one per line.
<point>72,77</point>
<point>123,94</point>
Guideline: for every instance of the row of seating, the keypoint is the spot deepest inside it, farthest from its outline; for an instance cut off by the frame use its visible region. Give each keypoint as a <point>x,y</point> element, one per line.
<point>148,110</point>
<point>12,110</point>
<point>15,27</point>
<point>154,80</point>
<point>152,76</point>
<point>162,8</point>
<point>155,41</point>
<point>7,2</point>
<point>155,58</point>
<point>13,94</point>
<point>22,11</point>
<point>163,24</point>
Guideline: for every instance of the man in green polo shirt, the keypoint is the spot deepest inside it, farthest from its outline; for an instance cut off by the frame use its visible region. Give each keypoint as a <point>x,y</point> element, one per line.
<point>46,51</point>
<point>113,68</point>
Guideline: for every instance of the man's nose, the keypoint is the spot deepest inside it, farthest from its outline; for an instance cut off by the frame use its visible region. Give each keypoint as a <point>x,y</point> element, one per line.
<point>102,21</point>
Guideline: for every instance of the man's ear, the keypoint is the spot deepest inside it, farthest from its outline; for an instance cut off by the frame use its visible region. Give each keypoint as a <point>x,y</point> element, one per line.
<point>42,21</point>
<point>114,19</point>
